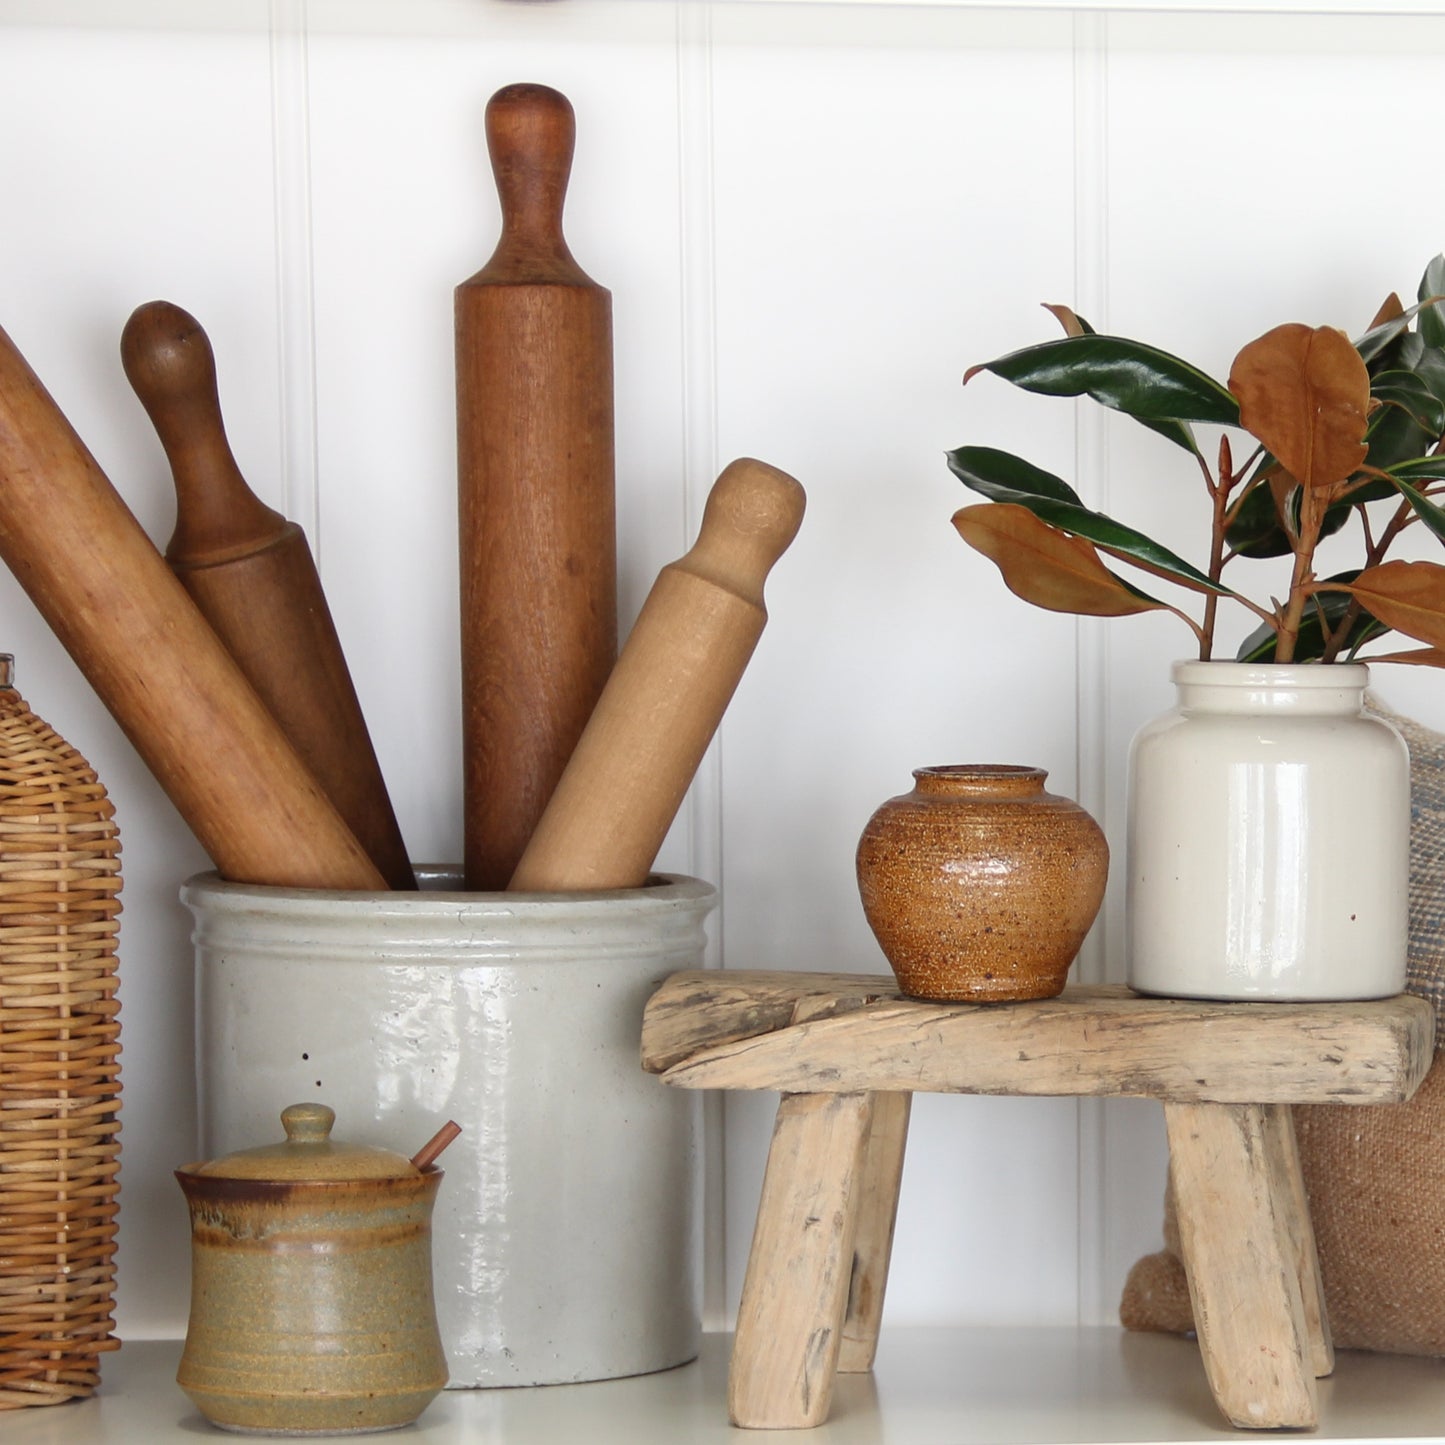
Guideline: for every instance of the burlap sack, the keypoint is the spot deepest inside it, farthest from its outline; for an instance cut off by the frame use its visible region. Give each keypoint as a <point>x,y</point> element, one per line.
<point>1375,1175</point>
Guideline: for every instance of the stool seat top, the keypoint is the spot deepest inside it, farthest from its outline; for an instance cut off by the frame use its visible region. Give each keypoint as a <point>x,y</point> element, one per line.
<point>843,1033</point>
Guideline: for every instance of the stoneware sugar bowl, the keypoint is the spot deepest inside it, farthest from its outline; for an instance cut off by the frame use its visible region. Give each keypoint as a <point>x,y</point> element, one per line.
<point>311,1285</point>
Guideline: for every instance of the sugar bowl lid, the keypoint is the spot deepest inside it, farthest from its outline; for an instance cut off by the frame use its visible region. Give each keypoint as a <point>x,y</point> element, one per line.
<point>309,1153</point>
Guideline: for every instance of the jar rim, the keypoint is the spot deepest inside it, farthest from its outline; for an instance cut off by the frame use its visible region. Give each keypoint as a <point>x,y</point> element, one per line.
<point>1293,675</point>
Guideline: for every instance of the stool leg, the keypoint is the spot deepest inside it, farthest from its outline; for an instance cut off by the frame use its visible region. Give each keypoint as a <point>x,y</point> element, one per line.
<point>1289,1186</point>
<point>795,1292</point>
<point>1239,1253</point>
<point>877,1212</point>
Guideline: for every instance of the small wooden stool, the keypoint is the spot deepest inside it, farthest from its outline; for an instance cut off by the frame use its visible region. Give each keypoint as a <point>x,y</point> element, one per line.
<point>847,1052</point>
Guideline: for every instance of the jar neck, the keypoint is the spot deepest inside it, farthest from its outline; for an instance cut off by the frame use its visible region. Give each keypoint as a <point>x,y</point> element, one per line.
<point>1306,689</point>
<point>7,669</point>
<point>979,780</point>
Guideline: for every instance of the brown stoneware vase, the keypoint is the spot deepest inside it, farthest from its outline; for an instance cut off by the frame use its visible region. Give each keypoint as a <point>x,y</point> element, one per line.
<point>312,1310</point>
<point>979,885</point>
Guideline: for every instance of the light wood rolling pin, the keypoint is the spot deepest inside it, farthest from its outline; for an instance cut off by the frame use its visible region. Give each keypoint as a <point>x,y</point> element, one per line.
<point>535,491</point>
<point>682,662</point>
<point>106,592</point>
<point>251,573</point>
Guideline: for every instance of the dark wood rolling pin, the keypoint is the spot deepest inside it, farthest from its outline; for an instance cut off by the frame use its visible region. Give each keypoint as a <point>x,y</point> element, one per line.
<point>251,573</point>
<point>682,662</point>
<point>535,490</point>
<point>109,597</point>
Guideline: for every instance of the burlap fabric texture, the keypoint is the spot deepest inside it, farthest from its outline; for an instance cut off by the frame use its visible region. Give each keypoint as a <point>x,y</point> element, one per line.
<point>1375,1175</point>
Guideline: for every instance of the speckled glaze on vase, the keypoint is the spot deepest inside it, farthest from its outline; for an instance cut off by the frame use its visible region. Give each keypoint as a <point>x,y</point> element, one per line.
<point>979,885</point>
<point>312,1311</point>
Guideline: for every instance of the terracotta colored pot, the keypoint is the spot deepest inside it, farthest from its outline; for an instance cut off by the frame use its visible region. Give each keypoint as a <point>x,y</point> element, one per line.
<point>979,885</point>
<point>311,1286</point>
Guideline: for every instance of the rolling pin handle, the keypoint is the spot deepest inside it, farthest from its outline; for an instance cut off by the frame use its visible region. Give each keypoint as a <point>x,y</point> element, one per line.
<point>170,365</point>
<point>752,515</point>
<point>531,133</point>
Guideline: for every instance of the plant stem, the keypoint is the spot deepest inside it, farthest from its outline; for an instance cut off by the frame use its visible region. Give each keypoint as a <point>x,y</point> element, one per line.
<point>1313,501</point>
<point>1219,494</point>
<point>1373,555</point>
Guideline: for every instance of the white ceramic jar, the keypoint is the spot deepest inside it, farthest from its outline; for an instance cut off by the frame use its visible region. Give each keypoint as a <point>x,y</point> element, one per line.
<point>1268,838</point>
<point>567,1242</point>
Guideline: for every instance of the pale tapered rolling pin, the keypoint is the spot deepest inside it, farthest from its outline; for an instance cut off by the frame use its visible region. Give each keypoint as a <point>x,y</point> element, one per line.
<point>681,664</point>
<point>251,573</point>
<point>106,592</point>
<point>535,491</point>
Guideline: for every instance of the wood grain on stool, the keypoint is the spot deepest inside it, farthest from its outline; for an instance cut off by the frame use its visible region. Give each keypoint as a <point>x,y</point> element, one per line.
<point>795,1293</point>
<point>847,1051</point>
<point>1237,1235</point>
<point>1289,1186</point>
<point>873,1243</point>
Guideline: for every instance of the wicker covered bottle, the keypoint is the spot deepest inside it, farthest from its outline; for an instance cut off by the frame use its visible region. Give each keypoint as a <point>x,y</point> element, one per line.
<point>59,1073</point>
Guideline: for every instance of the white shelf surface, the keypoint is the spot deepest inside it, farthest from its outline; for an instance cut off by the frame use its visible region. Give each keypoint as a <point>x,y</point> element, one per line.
<point>957,1386</point>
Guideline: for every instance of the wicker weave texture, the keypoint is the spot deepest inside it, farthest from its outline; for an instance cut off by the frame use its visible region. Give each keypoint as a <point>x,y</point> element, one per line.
<point>59,1069</point>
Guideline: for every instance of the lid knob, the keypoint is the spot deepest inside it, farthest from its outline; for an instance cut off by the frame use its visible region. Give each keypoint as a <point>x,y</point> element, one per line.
<point>307,1123</point>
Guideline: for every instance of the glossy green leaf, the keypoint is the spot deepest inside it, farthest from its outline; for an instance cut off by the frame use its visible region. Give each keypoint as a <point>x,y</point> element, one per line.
<point>1413,395</point>
<point>1256,532</point>
<point>1002,477</point>
<point>1420,469</point>
<point>1432,515</point>
<point>1392,436</point>
<point>1379,337</point>
<point>1310,644</point>
<point>1402,354</point>
<point>1141,381</point>
<point>1432,317</point>
<point>1429,366</point>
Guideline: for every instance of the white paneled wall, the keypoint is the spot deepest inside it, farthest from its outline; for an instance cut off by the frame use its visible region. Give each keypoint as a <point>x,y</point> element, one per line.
<point>813,217</point>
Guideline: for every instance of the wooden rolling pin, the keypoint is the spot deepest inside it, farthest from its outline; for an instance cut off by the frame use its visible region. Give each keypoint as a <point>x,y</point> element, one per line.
<point>108,595</point>
<point>535,491</point>
<point>682,662</point>
<point>251,573</point>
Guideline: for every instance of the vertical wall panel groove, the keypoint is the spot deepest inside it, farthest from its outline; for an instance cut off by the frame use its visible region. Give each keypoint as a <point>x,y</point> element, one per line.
<point>1091,661</point>
<point>697,269</point>
<point>296,318</point>
<point>699,373</point>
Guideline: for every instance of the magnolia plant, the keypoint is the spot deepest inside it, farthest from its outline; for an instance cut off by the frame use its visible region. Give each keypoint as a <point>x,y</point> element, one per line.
<point>1336,434</point>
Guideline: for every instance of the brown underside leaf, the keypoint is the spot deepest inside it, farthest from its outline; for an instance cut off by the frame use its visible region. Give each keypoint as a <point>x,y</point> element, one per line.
<point>1066,318</point>
<point>1391,309</point>
<point>1045,566</point>
<point>1422,656</point>
<point>1408,596</point>
<point>1304,392</point>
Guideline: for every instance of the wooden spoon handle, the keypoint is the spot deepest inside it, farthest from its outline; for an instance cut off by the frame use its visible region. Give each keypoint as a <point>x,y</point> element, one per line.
<point>667,694</point>
<point>108,595</point>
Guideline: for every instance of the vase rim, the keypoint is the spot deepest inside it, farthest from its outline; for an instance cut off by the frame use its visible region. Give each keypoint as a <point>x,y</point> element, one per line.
<point>985,770</point>
<point>1271,674</point>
